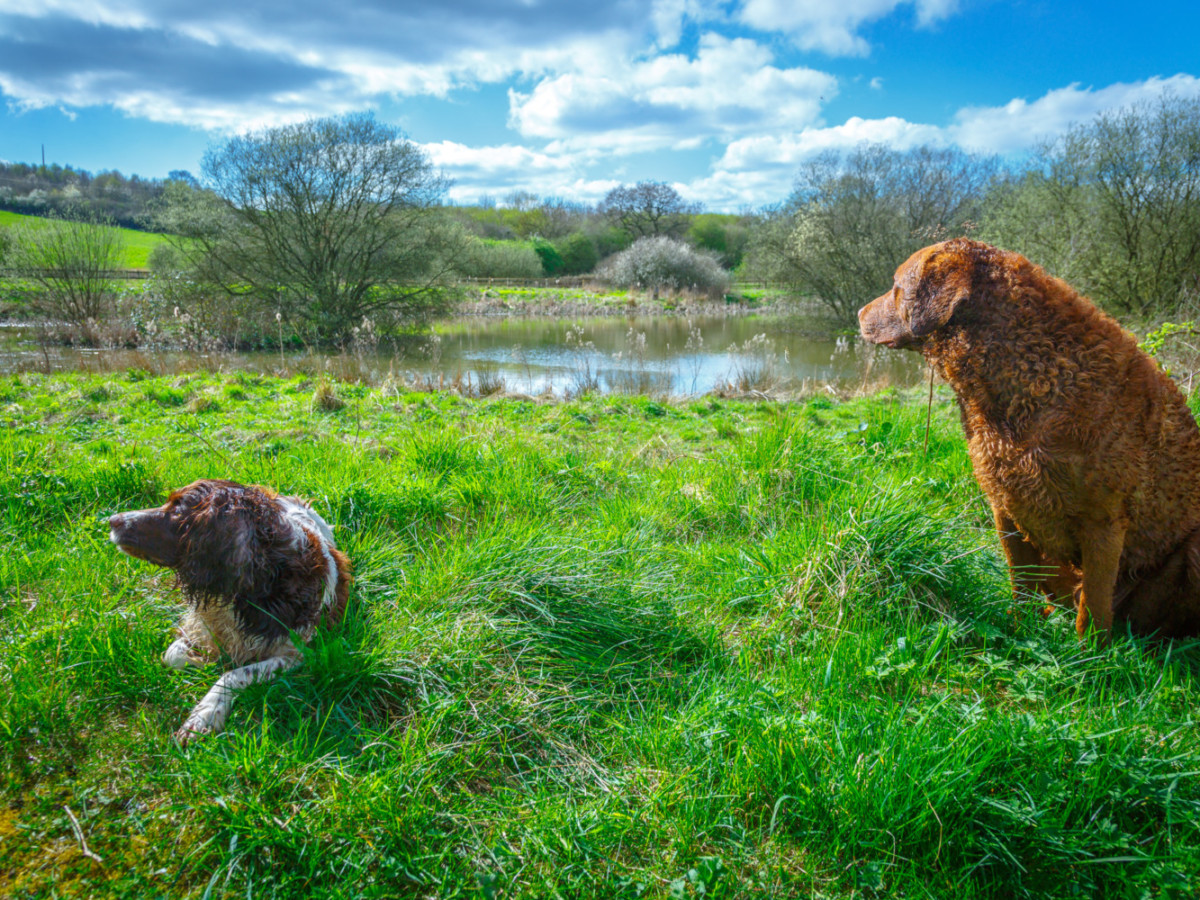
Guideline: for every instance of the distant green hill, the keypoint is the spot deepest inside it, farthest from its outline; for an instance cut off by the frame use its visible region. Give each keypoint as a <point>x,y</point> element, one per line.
<point>138,244</point>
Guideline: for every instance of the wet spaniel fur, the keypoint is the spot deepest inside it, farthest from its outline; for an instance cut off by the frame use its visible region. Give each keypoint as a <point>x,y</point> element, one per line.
<point>258,572</point>
<point>1085,449</point>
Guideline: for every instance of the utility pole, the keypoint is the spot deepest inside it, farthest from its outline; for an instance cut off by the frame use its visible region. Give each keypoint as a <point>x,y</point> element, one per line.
<point>43,156</point>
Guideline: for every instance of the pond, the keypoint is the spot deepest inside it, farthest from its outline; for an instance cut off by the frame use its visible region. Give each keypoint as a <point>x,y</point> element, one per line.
<point>654,355</point>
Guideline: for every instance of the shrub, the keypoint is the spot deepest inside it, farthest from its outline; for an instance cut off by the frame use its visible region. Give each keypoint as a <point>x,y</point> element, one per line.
<point>1113,207</point>
<point>552,262</point>
<point>853,217</point>
<point>166,258</point>
<point>726,236</point>
<point>579,253</point>
<point>71,262</point>
<point>175,308</point>
<point>499,259</point>
<point>657,263</point>
<point>326,221</point>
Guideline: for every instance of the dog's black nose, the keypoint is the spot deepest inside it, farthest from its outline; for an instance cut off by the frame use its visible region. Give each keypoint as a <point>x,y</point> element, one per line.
<point>115,521</point>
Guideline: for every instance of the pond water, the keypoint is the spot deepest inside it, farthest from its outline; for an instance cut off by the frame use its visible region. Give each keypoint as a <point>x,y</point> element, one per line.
<point>657,355</point>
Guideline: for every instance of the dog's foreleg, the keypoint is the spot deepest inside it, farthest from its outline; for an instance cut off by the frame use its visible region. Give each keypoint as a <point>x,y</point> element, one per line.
<point>184,653</point>
<point>194,646</point>
<point>209,715</point>
<point>1030,570</point>
<point>1101,547</point>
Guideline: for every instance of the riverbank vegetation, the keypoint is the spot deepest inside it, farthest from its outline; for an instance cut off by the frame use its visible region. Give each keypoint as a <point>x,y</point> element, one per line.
<point>616,647</point>
<point>317,229</point>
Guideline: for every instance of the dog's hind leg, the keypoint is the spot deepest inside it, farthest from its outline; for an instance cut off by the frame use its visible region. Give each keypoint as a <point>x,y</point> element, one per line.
<point>209,715</point>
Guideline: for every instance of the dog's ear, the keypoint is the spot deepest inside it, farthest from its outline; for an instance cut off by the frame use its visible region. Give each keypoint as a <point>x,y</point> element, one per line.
<point>944,284</point>
<point>221,545</point>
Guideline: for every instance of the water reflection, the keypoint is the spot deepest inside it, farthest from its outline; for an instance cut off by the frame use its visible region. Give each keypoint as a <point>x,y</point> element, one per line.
<point>657,355</point>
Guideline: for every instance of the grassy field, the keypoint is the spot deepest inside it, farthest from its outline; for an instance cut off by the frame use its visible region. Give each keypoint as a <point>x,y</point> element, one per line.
<point>607,648</point>
<point>138,244</point>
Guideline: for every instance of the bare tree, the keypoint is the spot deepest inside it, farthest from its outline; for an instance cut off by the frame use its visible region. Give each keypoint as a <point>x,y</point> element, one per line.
<point>648,208</point>
<point>72,262</point>
<point>852,219</point>
<point>1113,206</point>
<point>329,221</point>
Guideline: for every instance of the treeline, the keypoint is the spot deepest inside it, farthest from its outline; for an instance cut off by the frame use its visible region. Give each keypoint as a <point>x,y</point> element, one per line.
<point>525,235</point>
<point>335,227</point>
<point>332,226</point>
<point>1113,207</point>
<point>64,191</point>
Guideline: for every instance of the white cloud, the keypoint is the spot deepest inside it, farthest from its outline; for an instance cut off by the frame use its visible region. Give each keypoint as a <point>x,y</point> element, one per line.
<point>760,169</point>
<point>672,100</point>
<point>117,15</point>
<point>336,57</point>
<point>930,12</point>
<point>588,85</point>
<point>831,26</point>
<point>502,169</point>
<point>1019,124</point>
<point>507,158</point>
<point>792,149</point>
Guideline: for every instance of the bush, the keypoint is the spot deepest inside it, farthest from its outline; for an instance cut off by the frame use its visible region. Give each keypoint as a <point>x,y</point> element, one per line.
<point>165,258</point>
<point>726,236</point>
<point>325,221</point>
<point>579,254</point>
<point>499,259</point>
<point>71,262</point>
<point>175,308</point>
<point>854,217</point>
<point>1113,207</point>
<point>657,263</point>
<point>552,262</point>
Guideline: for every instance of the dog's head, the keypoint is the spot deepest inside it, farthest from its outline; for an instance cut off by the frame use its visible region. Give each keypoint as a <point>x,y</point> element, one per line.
<point>209,525</point>
<point>154,534</point>
<point>928,289</point>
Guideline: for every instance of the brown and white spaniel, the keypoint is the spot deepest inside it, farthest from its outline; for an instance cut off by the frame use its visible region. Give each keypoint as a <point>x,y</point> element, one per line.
<point>257,571</point>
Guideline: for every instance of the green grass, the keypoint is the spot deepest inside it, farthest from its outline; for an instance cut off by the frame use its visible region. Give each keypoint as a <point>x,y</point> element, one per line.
<point>608,648</point>
<point>138,244</point>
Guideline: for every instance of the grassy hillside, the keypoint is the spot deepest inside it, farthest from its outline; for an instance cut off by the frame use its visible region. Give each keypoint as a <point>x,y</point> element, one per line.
<point>138,244</point>
<point>609,648</point>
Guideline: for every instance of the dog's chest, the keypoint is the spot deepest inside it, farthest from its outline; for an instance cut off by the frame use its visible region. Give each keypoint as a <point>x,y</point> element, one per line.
<point>216,625</point>
<point>1031,486</point>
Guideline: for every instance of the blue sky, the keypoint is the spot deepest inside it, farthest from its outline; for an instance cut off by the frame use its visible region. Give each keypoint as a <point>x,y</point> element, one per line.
<point>724,100</point>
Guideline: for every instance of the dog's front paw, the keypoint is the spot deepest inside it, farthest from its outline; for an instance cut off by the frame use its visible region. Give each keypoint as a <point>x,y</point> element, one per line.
<point>194,729</point>
<point>183,653</point>
<point>178,655</point>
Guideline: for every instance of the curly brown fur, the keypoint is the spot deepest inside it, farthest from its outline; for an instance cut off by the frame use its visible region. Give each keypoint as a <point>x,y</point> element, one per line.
<point>1085,449</point>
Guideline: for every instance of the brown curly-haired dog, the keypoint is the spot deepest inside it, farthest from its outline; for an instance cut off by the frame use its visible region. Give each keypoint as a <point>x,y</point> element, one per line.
<point>1087,452</point>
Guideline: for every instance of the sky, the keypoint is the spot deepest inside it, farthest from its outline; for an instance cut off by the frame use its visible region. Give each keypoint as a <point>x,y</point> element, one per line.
<point>723,99</point>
